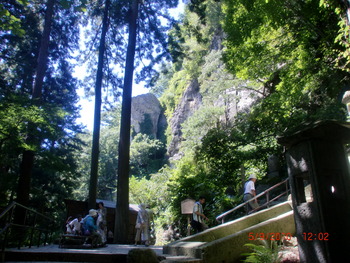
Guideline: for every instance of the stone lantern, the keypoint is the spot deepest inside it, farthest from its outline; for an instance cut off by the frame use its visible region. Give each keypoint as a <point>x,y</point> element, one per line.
<point>316,156</point>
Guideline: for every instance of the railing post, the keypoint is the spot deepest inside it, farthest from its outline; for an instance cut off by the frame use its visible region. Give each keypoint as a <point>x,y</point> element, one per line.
<point>39,237</point>
<point>32,231</point>
<point>24,228</point>
<point>52,228</point>
<point>268,199</point>
<point>24,220</point>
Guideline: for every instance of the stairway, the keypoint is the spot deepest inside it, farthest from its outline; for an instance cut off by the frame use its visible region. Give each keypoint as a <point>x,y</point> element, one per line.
<point>225,243</point>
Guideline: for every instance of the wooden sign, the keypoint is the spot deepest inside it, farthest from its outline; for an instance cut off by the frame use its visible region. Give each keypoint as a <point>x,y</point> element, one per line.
<point>187,206</point>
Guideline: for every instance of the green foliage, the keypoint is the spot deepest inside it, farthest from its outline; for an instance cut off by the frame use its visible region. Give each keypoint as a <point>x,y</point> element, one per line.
<point>266,252</point>
<point>52,120</point>
<point>188,179</point>
<point>161,82</point>
<point>154,191</point>
<point>342,39</point>
<point>108,163</point>
<point>289,48</point>
<point>197,126</point>
<point>285,52</point>
<point>146,126</point>
<point>224,152</point>
<point>193,38</point>
<point>55,152</point>
<point>171,97</point>
<point>9,19</point>
<point>108,157</point>
<point>146,155</point>
<point>114,48</point>
<point>83,159</point>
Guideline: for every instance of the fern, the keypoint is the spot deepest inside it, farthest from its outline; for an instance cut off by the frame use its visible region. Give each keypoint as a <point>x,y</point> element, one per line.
<point>264,253</point>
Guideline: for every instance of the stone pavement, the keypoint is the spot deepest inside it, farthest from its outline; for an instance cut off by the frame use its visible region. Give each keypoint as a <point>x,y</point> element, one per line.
<point>52,253</point>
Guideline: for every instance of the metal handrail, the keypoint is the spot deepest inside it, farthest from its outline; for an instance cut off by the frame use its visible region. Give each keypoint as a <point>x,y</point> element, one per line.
<point>30,220</point>
<point>266,192</point>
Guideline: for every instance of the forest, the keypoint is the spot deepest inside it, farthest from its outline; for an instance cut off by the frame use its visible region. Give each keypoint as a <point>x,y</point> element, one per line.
<point>261,68</point>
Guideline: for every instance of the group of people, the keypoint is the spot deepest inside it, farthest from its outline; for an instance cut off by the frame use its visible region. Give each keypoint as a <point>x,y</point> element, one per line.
<point>93,224</point>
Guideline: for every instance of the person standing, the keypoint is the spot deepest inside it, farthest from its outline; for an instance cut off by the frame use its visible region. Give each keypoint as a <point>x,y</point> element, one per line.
<point>250,193</point>
<point>103,212</point>
<point>152,237</point>
<point>102,221</point>
<point>142,226</point>
<point>198,216</point>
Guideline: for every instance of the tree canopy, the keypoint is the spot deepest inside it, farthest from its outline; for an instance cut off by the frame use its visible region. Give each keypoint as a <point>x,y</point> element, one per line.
<point>290,48</point>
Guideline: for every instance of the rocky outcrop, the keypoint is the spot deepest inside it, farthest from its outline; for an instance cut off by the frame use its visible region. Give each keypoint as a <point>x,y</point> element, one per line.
<point>233,99</point>
<point>147,116</point>
<point>236,99</point>
<point>190,102</point>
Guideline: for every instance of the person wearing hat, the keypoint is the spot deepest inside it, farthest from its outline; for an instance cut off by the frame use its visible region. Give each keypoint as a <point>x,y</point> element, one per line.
<point>89,222</point>
<point>249,193</point>
<point>90,227</point>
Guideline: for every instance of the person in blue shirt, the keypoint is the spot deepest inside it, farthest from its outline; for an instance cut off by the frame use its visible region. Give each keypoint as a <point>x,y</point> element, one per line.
<point>89,222</point>
<point>90,227</point>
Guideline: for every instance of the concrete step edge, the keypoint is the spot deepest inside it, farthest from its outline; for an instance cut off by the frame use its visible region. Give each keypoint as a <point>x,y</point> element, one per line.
<point>180,259</point>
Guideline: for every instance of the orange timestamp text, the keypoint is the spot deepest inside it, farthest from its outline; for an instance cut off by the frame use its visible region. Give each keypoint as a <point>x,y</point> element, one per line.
<point>274,236</point>
<point>308,236</point>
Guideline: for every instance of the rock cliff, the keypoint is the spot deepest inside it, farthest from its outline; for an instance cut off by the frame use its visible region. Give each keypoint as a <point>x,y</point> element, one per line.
<point>190,102</point>
<point>147,116</point>
<point>237,99</point>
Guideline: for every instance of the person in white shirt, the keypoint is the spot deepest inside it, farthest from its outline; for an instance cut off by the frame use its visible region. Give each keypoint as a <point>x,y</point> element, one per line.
<point>142,226</point>
<point>198,216</point>
<point>75,224</point>
<point>249,193</point>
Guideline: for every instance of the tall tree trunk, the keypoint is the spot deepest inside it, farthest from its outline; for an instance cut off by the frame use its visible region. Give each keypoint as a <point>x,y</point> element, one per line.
<point>97,114</point>
<point>122,206</point>
<point>27,163</point>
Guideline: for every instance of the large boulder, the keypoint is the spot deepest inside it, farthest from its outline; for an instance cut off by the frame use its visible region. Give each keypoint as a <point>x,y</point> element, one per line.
<point>147,115</point>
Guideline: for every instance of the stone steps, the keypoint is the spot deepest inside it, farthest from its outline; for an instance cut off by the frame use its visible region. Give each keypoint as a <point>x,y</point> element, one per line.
<point>180,259</point>
<point>225,243</point>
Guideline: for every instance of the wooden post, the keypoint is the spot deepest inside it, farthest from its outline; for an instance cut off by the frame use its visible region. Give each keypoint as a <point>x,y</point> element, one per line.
<point>187,209</point>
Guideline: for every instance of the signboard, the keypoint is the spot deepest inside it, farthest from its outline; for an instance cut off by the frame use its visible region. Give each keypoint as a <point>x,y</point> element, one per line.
<point>187,206</point>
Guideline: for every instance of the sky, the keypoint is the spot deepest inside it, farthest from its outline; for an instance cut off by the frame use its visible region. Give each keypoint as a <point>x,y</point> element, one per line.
<point>88,105</point>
